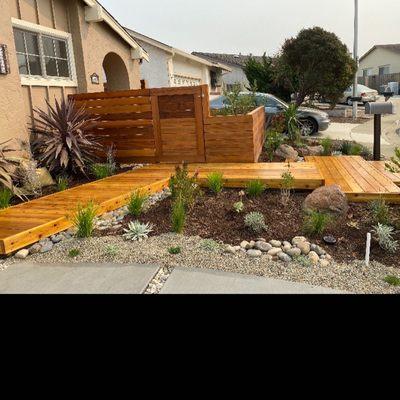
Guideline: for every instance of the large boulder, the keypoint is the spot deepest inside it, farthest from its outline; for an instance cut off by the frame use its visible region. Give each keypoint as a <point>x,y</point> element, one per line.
<point>329,199</point>
<point>286,152</point>
<point>311,151</point>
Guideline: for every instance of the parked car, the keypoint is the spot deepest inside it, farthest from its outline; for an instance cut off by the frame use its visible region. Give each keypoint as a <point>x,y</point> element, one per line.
<point>367,94</point>
<point>312,120</point>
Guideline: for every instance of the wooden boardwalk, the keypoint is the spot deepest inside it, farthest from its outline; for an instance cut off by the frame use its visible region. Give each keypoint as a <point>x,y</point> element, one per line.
<point>27,223</point>
<point>359,179</point>
<point>381,166</point>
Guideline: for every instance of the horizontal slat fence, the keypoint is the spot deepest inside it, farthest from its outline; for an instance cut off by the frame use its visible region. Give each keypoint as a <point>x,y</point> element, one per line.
<point>172,125</point>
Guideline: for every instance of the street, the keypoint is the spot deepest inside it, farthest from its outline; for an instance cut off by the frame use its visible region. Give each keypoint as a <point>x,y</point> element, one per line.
<point>364,133</point>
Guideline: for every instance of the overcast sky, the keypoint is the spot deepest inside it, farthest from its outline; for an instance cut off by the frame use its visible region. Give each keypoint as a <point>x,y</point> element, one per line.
<point>255,26</point>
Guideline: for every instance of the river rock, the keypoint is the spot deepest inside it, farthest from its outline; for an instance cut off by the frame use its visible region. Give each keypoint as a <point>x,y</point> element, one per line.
<point>286,152</point>
<point>254,253</point>
<point>263,246</point>
<point>275,251</point>
<point>284,257</point>
<point>305,247</point>
<point>48,246</point>
<point>35,249</point>
<point>293,252</point>
<point>22,254</point>
<point>275,243</point>
<point>314,257</point>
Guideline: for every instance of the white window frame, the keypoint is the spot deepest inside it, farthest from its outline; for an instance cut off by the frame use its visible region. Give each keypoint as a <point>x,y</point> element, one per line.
<point>29,80</point>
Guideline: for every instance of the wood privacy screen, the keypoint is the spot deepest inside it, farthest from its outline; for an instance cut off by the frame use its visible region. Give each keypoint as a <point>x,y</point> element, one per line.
<point>172,125</point>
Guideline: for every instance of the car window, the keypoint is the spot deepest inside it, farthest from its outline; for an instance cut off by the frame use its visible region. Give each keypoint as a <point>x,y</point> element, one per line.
<point>219,102</point>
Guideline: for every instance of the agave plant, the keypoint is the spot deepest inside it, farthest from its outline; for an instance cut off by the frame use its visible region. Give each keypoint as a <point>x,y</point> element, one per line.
<point>137,231</point>
<point>60,139</point>
<point>6,173</point>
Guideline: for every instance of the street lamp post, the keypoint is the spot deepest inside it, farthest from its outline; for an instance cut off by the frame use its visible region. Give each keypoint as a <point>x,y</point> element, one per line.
<point>355,85</point>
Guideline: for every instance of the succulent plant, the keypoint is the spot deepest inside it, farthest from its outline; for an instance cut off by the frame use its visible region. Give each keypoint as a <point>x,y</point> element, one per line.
<point>255,221</point>
<point>384,235</point>
<point>137,231</point>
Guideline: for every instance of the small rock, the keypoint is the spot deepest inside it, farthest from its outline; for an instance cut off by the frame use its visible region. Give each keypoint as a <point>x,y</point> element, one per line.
<point>304,247</point>
<point>48,246</point>
<point>244,244</point>
<point>284,257</point>
<point>254,253</point>
<point>294,252</point>
<point>237,248</point>
<point>263,246</point>
<point>324,263</point>
<point>286,152</point>
<point>314,257</point>
<point>287,244</point>
<point>298,239</point>
<point>261,240</point>
<point>22,254</point>
<point>251,245</point>
<point>44,241</point>
<point>230,250</point>
<point>275,251</point>
<point>57,238</point>
<point>275,243</point>
<point>35,248</point>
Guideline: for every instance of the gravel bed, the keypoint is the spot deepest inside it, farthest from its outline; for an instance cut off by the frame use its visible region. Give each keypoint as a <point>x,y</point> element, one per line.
<point>353,277</point>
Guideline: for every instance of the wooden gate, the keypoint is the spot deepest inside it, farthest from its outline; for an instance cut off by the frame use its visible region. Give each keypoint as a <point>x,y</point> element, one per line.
<point>178,124</point>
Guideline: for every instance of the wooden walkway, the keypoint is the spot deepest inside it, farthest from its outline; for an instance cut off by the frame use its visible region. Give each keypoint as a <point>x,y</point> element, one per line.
<point>381,166</point>
<point>27,223</point>
<point>359,179</point>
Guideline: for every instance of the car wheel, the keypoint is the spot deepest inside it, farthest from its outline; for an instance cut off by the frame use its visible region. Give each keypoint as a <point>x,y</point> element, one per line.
<point>309,127</point>
<point>349,101</point>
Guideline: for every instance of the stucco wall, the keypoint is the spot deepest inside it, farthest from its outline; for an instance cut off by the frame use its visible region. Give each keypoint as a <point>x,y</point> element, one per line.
<point>186,67</point>
<point>155,72</point>
<point>378,58</point>
<point>91,43</point>
<point>236,76</point>
<point>12,110</point>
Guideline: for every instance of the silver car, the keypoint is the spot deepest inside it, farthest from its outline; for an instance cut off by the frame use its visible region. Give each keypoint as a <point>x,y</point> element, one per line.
<point>313,121</point>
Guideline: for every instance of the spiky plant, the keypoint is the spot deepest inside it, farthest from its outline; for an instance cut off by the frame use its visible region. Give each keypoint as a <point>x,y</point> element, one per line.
<point>394,164</point>
<point>61,141</point>
<point>384,235</point>
<point>6,175</point>
<point>137,231</point>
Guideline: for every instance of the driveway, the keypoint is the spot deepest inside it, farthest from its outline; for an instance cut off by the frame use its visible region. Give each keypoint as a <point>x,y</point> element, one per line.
<point>364,133</point>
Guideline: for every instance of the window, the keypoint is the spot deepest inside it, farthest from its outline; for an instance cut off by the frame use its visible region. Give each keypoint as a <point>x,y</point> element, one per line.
<point>40,55</point>
<point>384,70</point>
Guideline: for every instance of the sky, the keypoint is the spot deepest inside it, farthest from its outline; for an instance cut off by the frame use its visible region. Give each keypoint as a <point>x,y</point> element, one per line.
<point>255,26</point>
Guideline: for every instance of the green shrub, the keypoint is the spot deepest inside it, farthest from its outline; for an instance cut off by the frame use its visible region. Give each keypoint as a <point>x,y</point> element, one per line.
<point>209,245</point>
<point>5,198</point>
<point>292,123</point>
<point>255,188</point>
<point>73,253</point>
<point>348,148</point>
<point>215,182</point>
<point>112,250</point>
<point>273,140</point>
<point>137,231</point>
<point>239,207</point>
<point>384,235</point>
<point>83,219</point>
<point>174,250</point>
<point>101,171</point>
<point>304,261</point>
<point>394,164</point>
<point>327,144</point>
<point>286,187</point>
<point>62,183</point>
<point>255,221</point>
<point>316,223</point>
<point>392,280</point>
<point>184,187</point>
<point>178,216</point>
<point>136,203</point>
<point>380,212</point>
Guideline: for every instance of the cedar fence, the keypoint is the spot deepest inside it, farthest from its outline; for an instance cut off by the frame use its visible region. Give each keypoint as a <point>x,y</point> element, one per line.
<point>172,125</point>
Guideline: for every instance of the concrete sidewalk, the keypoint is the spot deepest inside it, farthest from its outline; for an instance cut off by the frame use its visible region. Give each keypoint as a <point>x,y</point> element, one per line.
<point>30,278</point>
<point>197,281</point>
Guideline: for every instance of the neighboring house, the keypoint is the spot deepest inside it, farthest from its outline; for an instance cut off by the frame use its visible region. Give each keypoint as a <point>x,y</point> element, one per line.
<point>234,61</point>
<point>169,67</point>
<point>52,48</point>
<point>380,60</point>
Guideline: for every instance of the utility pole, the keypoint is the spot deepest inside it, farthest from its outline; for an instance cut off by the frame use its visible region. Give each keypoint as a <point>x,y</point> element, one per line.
<point>355,53</point>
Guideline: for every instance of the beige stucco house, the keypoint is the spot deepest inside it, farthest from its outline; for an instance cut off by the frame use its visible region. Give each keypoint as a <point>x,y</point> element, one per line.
<point>52,48</point>
<point>380,60</point>
<point>172,67</point>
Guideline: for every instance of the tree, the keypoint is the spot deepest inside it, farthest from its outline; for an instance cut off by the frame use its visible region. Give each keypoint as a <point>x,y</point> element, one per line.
<point>315,63</point>
<point>261,76</point>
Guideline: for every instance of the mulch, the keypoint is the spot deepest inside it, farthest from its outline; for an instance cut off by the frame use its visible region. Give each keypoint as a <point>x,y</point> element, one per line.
<point>213,217</point>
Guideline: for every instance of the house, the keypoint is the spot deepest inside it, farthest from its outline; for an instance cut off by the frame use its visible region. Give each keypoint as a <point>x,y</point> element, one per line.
<point>235,62</point>
<point>169,66</point>
<point>52,48</point>
<point>380,60</point>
